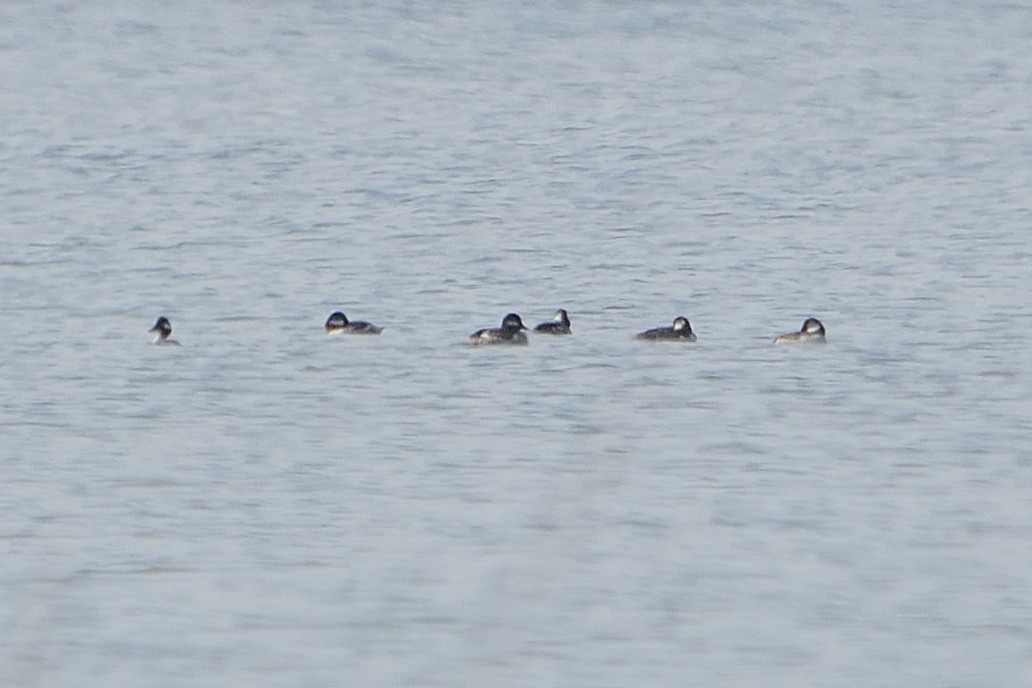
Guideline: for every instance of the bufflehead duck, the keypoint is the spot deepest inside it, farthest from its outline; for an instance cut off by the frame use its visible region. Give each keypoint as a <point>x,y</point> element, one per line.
<point>338,323</point>
<point>161,332</point>
<point>681,329</point>
<point>560,324</point>
<point>812,331</point>
<point>511,332</point>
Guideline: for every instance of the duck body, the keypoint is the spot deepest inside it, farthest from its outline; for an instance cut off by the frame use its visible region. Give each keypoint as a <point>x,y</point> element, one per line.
<point>681,330</point>
<point>161,333</point>
<point>511,332</point>
<point>812,332</point>
<point>338,323</point>
<point>560,324</point>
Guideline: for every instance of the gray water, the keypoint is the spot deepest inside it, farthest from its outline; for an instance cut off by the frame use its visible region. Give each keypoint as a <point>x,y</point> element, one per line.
<point>269,506</point>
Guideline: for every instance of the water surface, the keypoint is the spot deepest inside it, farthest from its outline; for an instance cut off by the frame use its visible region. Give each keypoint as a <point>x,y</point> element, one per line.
<point>268,505</point>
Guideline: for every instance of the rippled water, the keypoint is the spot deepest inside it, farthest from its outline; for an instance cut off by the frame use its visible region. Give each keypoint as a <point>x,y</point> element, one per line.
<point>266,505</point>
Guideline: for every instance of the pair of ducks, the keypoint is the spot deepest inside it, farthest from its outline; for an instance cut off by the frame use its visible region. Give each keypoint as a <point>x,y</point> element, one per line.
<point>512,330</point>
<point>335,324</point>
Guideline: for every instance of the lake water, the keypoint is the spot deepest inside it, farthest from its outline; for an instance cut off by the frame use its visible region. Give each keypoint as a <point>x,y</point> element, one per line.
<point>266,505</point>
